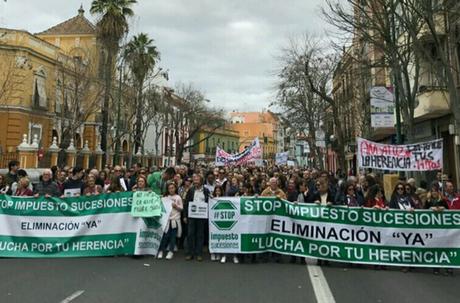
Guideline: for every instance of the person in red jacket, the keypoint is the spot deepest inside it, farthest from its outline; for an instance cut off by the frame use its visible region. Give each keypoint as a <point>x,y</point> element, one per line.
<point>375,198</point>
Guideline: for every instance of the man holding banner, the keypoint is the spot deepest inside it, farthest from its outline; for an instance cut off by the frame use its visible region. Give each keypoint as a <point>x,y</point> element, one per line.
<point>196,217</point>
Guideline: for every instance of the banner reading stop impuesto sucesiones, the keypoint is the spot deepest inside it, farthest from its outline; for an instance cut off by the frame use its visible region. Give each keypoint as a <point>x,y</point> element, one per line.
<point>83,226</point>
<point>356,235</point>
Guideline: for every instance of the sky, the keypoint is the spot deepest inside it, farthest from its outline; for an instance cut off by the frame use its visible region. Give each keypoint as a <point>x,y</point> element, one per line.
<point>226,48</point>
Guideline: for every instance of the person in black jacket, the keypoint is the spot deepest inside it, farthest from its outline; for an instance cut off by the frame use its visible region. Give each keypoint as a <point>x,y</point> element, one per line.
<point>323,195</point>
<point>196,227</point>
<point>399,198</point>
<point>347,196</point>
<point>305,194</point>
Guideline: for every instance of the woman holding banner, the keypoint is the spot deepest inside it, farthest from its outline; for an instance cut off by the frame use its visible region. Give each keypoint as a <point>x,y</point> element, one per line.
<point>437,203</point>
<point>400,200</point>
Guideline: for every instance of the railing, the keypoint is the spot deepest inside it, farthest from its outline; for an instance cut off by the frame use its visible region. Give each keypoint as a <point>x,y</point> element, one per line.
<point>7,157</point>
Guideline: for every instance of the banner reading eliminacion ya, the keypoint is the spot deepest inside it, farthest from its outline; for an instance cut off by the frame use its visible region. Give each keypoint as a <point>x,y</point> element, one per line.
<point>357,235</point>
<point>83,226</point>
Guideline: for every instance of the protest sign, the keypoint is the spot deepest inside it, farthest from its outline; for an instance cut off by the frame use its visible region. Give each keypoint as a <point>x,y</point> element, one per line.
<point>72,192</point>
<point>146,204</point>
<point>198,210</point>
<point>281,158</point>
<point>382,107</point>
<point>412,157</point>
<point>251,153</point>
<point>85,226</point>
<point>345,234</point>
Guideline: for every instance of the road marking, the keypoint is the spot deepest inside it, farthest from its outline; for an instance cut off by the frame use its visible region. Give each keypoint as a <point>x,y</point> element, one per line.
<point>322,291</point>
<point>73,296</point>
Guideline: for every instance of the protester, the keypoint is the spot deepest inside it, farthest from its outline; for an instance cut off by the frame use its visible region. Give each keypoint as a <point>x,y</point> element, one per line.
<point>196,227</point>
<point>233,188</point>
<point>116,184</point>
<point>375,198</point>
<point>157,180</point>
<point>12,175</point>
<point>399,198</point>
<point>412,196</point>
<point>173,227</point>
<point>4,187</point>
<point>91,188</point>
<point>23,189</point>
<point>73,186</point>
<point>323,194</point>
<point>292,191</point>
<point>449,191</point>
<point>141,184</point>
<point>47,187</point>
<point>305,194</point>
<point>273,190</point>
<point>436,202</point>
<point>348,196</point>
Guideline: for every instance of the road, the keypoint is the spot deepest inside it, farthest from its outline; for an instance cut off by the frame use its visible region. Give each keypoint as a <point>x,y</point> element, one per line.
<point>123,279</point>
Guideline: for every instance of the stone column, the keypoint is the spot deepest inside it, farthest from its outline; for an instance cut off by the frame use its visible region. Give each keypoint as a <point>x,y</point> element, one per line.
<point>71,152</point>
<point>28,157</point>
<point>99,154</point>
<point>54,151</point>
<point>86,153</point>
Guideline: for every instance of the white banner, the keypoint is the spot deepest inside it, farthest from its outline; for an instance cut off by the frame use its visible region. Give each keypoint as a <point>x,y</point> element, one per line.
<point>281,158</point>
<point>345,234</point>
<point>412,157</point>
<point>249,154</point>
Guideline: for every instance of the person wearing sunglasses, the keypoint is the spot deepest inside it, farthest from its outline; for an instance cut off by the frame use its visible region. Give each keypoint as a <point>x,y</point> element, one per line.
<point>400,200</point>
<point>437,203</point>
<point>348,196</point>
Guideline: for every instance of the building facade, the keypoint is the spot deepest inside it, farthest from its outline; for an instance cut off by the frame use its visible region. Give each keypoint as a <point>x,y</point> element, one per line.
<point>264,125</point>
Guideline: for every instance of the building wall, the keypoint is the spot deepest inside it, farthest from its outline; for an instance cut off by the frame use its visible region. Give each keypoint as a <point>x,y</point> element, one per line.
<point>24,60</point>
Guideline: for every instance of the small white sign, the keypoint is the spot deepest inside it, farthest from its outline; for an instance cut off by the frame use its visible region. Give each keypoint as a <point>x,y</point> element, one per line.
<point>72,192</point>
<point>198,210</point>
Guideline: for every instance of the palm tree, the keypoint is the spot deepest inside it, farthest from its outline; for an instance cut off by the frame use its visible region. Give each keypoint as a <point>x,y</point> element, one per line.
<point>142,57</point>
<point>111,28</point>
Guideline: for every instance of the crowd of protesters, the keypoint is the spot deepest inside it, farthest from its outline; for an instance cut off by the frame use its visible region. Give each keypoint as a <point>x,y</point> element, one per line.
<point>184,185</point>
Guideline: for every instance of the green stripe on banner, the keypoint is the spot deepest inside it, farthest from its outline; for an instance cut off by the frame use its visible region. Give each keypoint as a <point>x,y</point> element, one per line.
<point>354,253</point>
<point>79,246</point>
<point>69,207</point>
<point>355,216</point>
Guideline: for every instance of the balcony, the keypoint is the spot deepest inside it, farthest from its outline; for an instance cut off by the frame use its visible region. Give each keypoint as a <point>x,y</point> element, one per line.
<point>433,102</point>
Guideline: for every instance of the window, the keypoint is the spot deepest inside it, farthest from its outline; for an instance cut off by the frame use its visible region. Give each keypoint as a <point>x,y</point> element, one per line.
<point>39,96</point>
<point>35,129</point>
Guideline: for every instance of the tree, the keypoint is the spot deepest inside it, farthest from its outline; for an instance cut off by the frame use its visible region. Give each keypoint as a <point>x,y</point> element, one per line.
<point>111,27</point>
<point>377,25</point>
<point>142,57</point>
<point>189,115</point>
<point>302,109</point>
<point>78,95</point>
<point>8,74</point>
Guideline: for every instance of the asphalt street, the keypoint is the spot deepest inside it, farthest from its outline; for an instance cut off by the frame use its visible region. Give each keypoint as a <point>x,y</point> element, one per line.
<point>123,279</point>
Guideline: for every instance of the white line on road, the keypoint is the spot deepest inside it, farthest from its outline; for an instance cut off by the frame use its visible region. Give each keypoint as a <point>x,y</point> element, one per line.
<point>322,291</point>
<point>73,296</point>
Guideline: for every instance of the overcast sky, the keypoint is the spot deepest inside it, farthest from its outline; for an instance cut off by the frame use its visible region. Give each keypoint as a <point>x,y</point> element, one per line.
<point>224,47</point>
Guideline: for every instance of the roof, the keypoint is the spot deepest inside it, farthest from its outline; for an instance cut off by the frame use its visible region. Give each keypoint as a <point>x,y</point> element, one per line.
<point>256,117</point>
<point>77,25</point>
